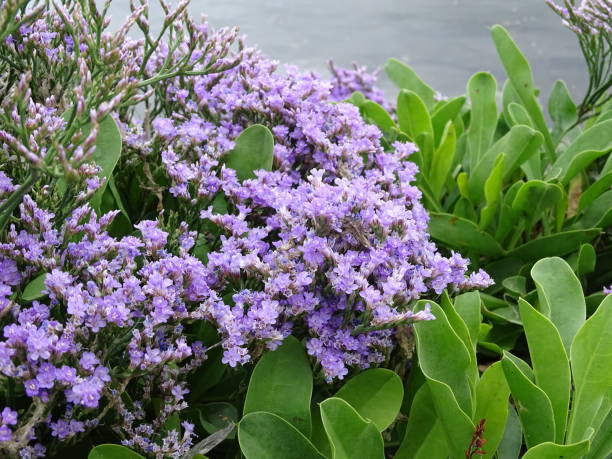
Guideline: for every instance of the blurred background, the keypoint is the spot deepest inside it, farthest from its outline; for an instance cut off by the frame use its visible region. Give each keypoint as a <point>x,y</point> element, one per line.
<point>445,41</point>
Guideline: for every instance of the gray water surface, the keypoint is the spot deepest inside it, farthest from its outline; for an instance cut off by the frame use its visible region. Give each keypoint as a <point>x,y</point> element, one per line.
<point>445,41</point>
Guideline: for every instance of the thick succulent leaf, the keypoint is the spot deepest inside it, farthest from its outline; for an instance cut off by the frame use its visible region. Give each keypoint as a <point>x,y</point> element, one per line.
<point>442,160</point>
<point>590,355</point>
<point>562,109</point>
<point>262,434</point>
<point>405,78</point>
<point>554,245</point>
<point>492,395</point>
<point>550,363</point>
<point>512,441</point>
<point>282,384</point>
<point>34,289</point>
<point>375,394</point>
<point>461,234</point>
<point>447,112</point>
<point>110,451</point>
<point>560,295</point>
<point>550,450</point>
<point>349,434</point>
<point>481,89</point>
<point>412,115</point>
<point>534,407</point>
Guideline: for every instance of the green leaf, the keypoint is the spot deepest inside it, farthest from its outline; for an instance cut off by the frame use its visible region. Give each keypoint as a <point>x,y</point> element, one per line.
<point>412,115</point>
<point>560,295</point>
<point>349,434</point>
<point>550,450</point>
<point>481,89</point>
<point>442,160</point>
<point>375,394</point>
<point>516,285</point>
<point>492,188</point>
<point>424,437</point>
<point>435,341</point>
<point>558,244</point>
<point>519,144</point>
<point>590,357</point>
<point>492,395</point>
<point>456,424</point>
<point>266,435</point>
<point>106,154</point>
<point>598,214</point>
<point>584,149</point>
<point>550,363</point>
<point>519,73</point>
<point>594,191</point>
<point>447,112</point>
<point>34,289</point>
<point>510,445</point>
<point>405,78</point>
<point>113,452</point>
<point>519,115</point>
<point>534,197</point>
<point>216,416</point>
<point>374,113</point>
<point>534,408</point>
<point>467,306</point>
<point>254,150</point>
<point>585,263</point>
<point>562,109</point>
<point>282,384</point>
<point>462,234</point>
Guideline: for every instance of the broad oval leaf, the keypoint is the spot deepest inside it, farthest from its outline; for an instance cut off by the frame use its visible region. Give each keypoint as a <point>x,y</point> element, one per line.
<point>106,154</point>
<point>254,150</point>
<point>349,434</point>
<point>376,114</point>
<point>110,451</point>
<point>262,434</point>
<point>282,384</point>
<point>560,295</point>
<point>375,394</point>
<point>555,244</point>
<point>412,115</point>
<point>590,357</point>
<point>550,363</point>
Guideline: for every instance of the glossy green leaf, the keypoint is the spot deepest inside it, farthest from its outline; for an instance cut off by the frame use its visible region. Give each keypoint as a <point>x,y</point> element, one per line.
<point>435,341</point>
<point>424,437</point>
<point>374,113</point>
<point>282,384</point>
<point>599,212</point>
<point>106,154</point>
<point>467,306</point>
<point>550,450</point>
<point>586,260</point>
<point>405,78</point>
<point>113,452</point>
<point>509,220</point>
<point>516,285</point>
<point>462,234</point>
<point>590,356</point>
<point>448,112</point>
<point>456,424</point>
<point>492,189</point>
<point>562,109</point>
<point>349,434</point>
<point>519,73</point>
<point>535,197</point>
<point>262,434</point>
<point>519,115</point>
<point>492,395</point>
<point>510,445</point>
<point>534,408</point>
<point>412,115</point>
<point>318,437</point>
<point>555,244</point>
<point>375,394</point>
<point>442,160</point>
<point>509,96</point>
<point>519,144</point>
<point>550,363</point>
<point>34,289</point>
<point>601,442</point>
<point>585,148</point>
<point>254,150</point>
<point>560,295</point>
<point>589,195</point>
<point>481,89</point>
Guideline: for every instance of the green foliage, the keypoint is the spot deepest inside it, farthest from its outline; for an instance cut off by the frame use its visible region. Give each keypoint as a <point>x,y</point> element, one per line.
<point>253,151</point>
<point>112,452</point>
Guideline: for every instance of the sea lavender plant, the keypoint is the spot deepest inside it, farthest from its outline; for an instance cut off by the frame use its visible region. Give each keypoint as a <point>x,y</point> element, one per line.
<point>591,21</point>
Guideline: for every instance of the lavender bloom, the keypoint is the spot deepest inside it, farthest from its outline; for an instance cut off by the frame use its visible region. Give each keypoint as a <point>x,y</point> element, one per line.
<point>607,290</point>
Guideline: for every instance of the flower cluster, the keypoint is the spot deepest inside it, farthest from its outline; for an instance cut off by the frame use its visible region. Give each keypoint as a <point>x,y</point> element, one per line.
<point>593,17</point>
